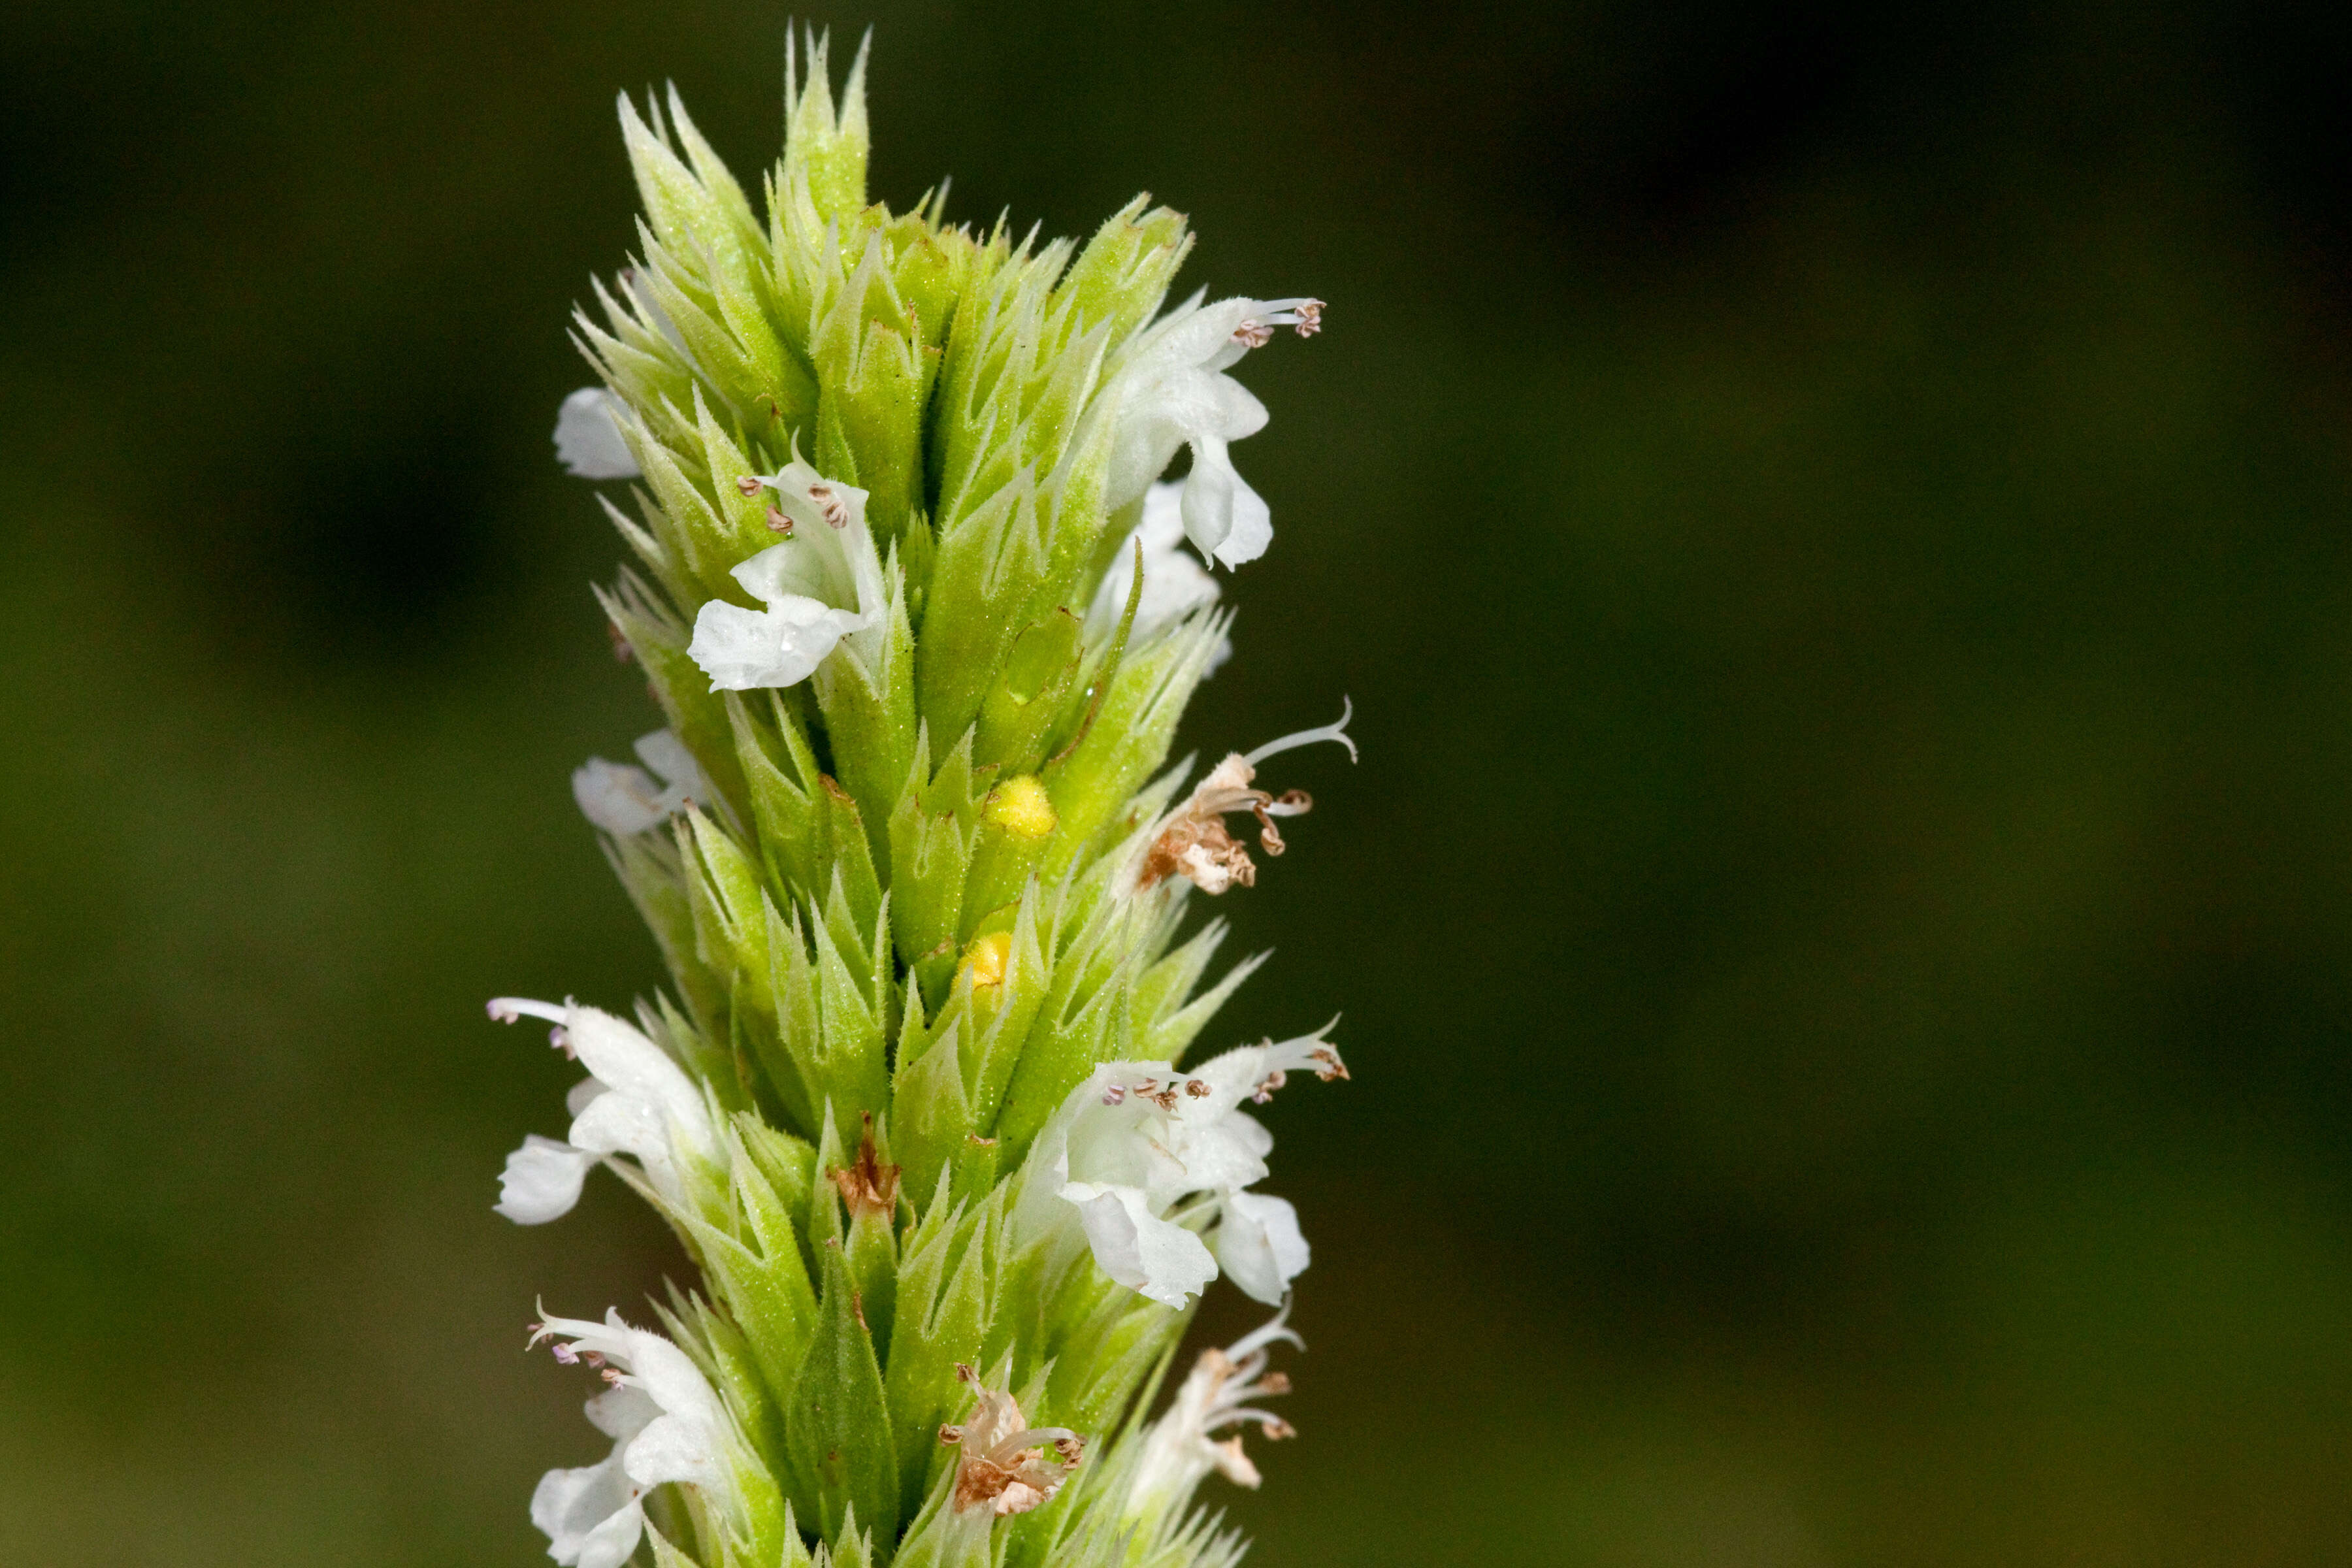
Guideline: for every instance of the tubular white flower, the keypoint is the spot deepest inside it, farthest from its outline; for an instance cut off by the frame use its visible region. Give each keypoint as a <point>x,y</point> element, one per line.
<point>1192,841</point>
<point>623,799</point>
<point>588,441</point>
<point>666,1425</point>
<point>637,1101</point>
<point>823,583</point>
<point>1173,392</point>
<point>1178,1449</point>
<point>1130,1145</point>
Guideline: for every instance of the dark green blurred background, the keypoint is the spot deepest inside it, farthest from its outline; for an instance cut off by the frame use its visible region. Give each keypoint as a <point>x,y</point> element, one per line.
<point>1835,525</point>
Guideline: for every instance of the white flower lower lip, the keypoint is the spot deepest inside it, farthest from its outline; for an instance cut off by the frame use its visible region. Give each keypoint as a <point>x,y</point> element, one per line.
<point>1145,1158</point>
<point>642,1104</point>
<point>822,585</point>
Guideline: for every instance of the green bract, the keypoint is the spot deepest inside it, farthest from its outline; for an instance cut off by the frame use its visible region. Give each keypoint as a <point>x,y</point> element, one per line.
<point>920,625</point>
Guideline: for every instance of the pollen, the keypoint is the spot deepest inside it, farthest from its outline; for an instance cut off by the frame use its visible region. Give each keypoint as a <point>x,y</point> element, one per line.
<point>986,960</point>
<point>1020,807</point>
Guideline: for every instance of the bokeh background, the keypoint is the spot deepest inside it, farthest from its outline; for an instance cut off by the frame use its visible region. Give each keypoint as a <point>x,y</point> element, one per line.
<point>1835,521</point>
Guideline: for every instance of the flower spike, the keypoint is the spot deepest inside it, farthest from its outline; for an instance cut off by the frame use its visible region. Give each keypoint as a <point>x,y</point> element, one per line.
<point>921,606</point>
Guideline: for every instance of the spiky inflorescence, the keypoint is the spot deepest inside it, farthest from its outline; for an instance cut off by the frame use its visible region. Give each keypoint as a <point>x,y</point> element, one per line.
<point>916,613</point>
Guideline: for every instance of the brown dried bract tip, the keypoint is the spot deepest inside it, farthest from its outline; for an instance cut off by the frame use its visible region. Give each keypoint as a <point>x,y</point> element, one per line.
<point>622,652</point>
<point>868,1186</point>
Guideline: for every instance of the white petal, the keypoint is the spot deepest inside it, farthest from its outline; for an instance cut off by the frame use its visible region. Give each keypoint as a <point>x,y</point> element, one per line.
<point>576,1098</point>
<point>621,1413</point>
<point>541,1181</point>
<point>1149,1255</point>
<point>1222,516</point>
<point>1258,1242</point>
<point>1174,584</point>
<point>616,797</point>
<point>588,438</point>
<point>675,1450</point>
<point>585,1514</point>
<point>663,752</point>
<point>744,649</point>
<point>614,1541</point>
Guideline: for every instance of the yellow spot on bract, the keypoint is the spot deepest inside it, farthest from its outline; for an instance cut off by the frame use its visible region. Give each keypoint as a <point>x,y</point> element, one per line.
<point>1020,807</point>
<point>985,960</point>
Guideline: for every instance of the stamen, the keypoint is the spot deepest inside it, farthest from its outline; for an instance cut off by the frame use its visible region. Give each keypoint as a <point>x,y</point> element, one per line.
<point>779,523</point>
<point>1197,1088</point>
<point>749,484</point>
<point>1335,732</point>
<point>1310,317</point>
<point>507,1010</point>
<point>828,501</point>
<point>1253,333</point>
<point>950,1433</point>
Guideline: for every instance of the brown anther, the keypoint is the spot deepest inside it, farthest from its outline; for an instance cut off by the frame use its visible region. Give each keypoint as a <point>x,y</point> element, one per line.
<point>1273,1383</point>
<point>1197,1088</point>
<point>748,484</point>
<point>1253,333</point>
<point>778,522</point>
<point>1267,1085</point>
<point>1310,317</point>
<point>828,501</point>
<point>613,1377</point>
<point>1278,1429</point>
<point>1329,1064</point>
<point>1070,1449</point>
<point>951,1433</point>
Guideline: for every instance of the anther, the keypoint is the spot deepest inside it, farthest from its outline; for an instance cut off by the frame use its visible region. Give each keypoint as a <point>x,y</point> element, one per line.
<point>828,501</point>
<point>1253,333</point>
<point>1197,1088</point>
<point>779,523</point>
<point>749,484</point>
<point>1310,317</point>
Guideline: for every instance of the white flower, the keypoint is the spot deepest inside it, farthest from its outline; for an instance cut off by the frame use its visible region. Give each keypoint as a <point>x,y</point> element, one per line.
<point>1173,392</point>
<point>1192,841</point>
<point>1133,1143</point>
<point>637,1100</point>
<point>1174,584</point>
<point>666,1425</point>
<point>1178,1450</point>
<point>588,437</point>
<point>823,583</point>
<point>622,799</point>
